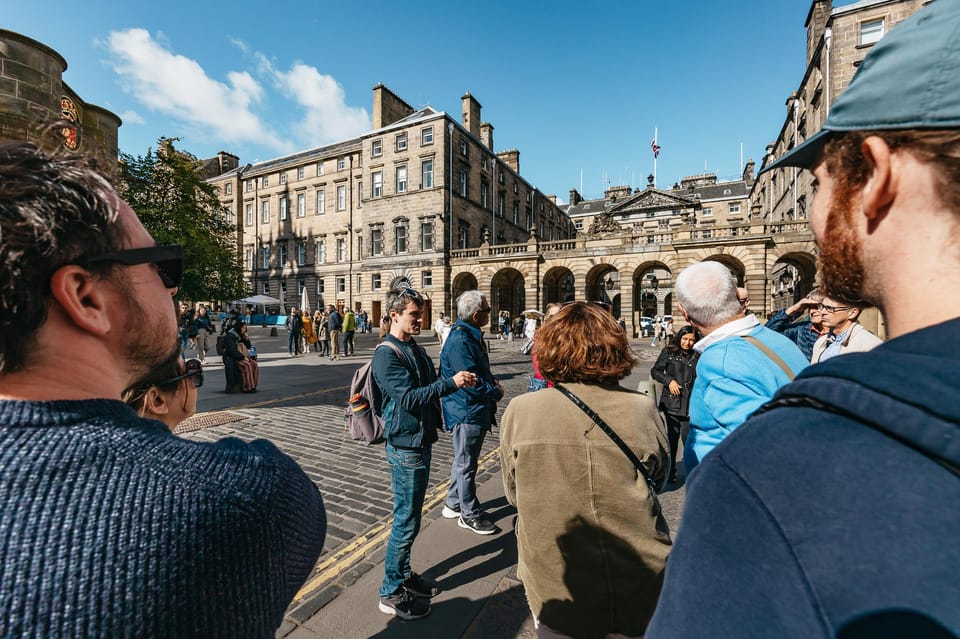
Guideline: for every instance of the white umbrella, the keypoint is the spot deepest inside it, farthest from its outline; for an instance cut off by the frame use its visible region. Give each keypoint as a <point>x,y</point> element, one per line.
<point>259,299</point>
<point>532,311</point>
<point>305,301</point>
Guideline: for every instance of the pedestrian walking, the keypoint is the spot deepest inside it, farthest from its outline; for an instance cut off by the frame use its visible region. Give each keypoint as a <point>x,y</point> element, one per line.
<point>334,328</point>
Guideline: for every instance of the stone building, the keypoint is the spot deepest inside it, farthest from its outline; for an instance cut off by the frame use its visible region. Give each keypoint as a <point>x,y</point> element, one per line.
<point>838,39</point>
<point>346,222</point>
<point>34,96</point>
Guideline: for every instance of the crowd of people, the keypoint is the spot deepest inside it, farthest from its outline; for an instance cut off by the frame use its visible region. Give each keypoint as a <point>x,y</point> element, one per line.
<point>820,461</point>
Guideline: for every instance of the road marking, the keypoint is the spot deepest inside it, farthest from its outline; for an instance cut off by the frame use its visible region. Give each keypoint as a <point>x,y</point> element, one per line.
<point>346,557</point>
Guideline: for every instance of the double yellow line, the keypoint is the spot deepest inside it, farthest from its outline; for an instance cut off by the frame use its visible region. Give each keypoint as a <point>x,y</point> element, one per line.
<point>342,560</point>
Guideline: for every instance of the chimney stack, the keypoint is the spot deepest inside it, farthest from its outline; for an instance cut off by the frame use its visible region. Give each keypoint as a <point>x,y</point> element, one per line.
<point>471,114</point>
<point>511,158</point>
<point>486,134</point>
<point>388,107</point>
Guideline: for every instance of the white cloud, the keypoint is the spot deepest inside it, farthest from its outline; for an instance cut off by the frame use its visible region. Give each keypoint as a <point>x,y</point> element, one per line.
<point>132,117</point>
<point>179,87</point>
<point>327,118</point>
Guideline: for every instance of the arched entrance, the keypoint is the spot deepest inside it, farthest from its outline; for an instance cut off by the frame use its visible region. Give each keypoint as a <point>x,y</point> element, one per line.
<point>736,266</point>
<point>507,293</point>
<point>792,277</point>
<point>603,284</point>
<point>652,296</point>
<point>461,283</point>
<point>558,286</point>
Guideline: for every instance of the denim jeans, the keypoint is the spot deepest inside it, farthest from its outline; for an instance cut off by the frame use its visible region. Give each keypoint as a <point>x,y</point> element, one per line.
<point>294,343</point>
<point>467,442</point>
<point>409,474</point>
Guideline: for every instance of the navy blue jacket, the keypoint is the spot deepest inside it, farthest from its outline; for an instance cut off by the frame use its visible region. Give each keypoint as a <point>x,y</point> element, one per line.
<point>463,351</point>
<point>411,394</point>
<point>800,333</point>
<point>805,522</point>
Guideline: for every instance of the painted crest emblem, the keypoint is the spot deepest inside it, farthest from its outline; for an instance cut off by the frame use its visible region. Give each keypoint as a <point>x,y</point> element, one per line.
<point>71,132</point>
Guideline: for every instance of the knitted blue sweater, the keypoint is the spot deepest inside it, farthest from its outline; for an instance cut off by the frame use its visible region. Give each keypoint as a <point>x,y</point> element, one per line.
<point>110,526</point>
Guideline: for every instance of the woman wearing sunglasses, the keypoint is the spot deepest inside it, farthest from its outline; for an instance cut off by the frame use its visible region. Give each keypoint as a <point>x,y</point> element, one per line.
<point>168,393</point>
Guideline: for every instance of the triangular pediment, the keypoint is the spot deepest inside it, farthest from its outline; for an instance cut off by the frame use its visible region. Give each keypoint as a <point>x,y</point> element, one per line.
<point>651,198</point>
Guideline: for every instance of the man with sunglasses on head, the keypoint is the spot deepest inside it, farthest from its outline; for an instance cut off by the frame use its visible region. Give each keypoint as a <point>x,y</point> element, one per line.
<point>832,511</point>
<point>111,524</point>
<point>411,393</point>
<point>845,333</point>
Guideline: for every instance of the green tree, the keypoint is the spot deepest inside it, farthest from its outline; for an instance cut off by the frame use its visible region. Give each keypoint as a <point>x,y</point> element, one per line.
<point>167,190</point>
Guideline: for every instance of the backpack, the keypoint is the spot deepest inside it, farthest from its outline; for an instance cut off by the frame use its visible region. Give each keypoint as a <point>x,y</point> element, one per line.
<point>363,418</point>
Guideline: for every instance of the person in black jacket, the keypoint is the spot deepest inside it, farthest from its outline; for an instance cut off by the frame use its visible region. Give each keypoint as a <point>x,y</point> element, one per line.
<point>676,368</point>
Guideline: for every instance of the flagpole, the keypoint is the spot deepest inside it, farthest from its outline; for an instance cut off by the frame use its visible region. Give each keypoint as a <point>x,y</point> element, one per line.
<point>655,158</point>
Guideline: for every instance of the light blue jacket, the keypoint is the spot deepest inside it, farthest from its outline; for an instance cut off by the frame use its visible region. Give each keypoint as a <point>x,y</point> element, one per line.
<point>734,378</point>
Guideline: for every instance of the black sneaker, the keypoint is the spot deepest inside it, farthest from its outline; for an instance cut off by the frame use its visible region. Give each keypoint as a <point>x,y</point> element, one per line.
<point>417,585</point>
<point>405,605</point>
<point>480,525</point>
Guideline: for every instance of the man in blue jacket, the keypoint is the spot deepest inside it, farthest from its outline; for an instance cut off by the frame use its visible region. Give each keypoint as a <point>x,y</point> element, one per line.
<point>470,414</point>
<point>830,514</point>
<point>411,413</point>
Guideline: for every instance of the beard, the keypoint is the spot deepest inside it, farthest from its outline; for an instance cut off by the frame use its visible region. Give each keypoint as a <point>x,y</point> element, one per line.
<point>840,258</point>
<point>152,343</point>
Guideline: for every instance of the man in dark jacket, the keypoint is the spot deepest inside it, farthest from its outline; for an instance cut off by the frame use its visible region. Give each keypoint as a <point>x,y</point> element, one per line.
<point>825,515</point>
<point>802,332</point>
<point>470,414</point>
<point>294,326</point>
<point>411,413</point>
<point>334,327</point>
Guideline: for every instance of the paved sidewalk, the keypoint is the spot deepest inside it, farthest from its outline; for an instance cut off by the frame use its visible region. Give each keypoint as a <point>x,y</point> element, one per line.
<point>300,408</point>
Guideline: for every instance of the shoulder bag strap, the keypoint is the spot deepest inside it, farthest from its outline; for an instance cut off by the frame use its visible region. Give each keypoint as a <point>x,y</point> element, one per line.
<point>773,356</point>
<point>612,434</point>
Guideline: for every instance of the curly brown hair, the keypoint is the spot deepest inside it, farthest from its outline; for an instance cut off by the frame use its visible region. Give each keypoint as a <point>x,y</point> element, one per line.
<point>583,343</point>
<point>53,210</point>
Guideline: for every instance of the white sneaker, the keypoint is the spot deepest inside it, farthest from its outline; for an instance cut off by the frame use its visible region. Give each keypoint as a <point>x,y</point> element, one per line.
<point>450,513</point>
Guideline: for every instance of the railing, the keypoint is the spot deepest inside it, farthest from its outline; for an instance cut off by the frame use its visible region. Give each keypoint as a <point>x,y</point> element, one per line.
<point>638,238</point>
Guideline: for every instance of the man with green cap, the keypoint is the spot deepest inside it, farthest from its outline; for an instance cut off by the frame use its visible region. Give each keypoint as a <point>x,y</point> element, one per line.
<point>829,513</point>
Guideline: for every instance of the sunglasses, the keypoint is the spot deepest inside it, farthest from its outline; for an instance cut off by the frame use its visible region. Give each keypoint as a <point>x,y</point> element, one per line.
<point>826,308</point>
<point>168,258</point>
<point>192,369</point>
<point>412,294</point>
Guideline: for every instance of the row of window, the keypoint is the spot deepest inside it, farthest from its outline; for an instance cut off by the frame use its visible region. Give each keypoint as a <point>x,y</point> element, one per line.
<point>400,141</point>
<point>301,174</point>
<point>426,179</point>
<point>320,206</point>
<point>401,245</point>
<point>340,284</point>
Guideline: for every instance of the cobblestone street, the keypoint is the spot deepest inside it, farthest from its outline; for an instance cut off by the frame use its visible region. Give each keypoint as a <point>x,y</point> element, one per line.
<point>354,479</point>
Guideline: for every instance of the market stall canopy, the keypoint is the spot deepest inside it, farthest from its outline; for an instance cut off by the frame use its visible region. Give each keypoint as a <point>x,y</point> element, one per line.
<point>259,299</point>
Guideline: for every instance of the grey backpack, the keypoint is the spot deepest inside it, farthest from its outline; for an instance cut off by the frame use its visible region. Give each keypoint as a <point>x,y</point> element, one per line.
<point>363,417</point>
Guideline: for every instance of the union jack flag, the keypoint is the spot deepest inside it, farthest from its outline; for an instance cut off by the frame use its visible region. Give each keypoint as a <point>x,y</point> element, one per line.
<point>655,147</point>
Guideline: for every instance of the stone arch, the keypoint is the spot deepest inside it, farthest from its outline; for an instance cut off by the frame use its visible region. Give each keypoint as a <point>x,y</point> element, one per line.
<point>559,285</point>
<point>792,277</point>
<point>652,291</point>
<point>735,265</point>
<point>461,283</point>
<point>602,283</point>
<point>507,293</point>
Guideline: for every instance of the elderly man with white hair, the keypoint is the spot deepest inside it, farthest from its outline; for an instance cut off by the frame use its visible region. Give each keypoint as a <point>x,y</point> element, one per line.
<point>742,364</point>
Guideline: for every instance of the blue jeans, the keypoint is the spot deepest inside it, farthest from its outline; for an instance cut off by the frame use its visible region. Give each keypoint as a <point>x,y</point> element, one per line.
<point>294,343</point>
<point>467,442</point>
<point>409,474</point>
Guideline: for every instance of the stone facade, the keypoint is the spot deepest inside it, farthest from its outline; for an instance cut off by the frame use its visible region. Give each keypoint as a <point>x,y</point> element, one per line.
<point>344,223</point>
<point>34,96</point>
<point>837,41</point>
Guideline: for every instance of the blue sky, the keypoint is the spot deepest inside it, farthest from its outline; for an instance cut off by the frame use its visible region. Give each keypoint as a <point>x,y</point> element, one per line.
<point>575,86</point>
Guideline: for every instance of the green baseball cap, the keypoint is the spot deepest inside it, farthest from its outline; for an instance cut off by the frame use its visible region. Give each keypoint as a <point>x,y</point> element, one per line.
<point>909,80</point>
